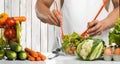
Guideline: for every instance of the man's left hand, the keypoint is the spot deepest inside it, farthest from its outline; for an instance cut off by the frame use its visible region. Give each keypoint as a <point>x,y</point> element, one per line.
<point>96,27</point>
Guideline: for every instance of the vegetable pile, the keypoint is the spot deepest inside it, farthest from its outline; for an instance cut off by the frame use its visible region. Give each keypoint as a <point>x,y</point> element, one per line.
<point>90,49</point>
<point>11,26</point>
<point>114,35</point>
<point>70,43</point>
<point>10,29</point>
<point>10,40</point>
<point>13,52</point>
<point>85,48</point>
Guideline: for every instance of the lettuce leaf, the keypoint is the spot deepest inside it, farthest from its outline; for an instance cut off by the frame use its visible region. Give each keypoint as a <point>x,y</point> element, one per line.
<point>71,40</point>
<point>114,35</point>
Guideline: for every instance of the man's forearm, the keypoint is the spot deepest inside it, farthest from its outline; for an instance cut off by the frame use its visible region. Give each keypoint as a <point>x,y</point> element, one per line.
<point>42,8</point>
<point>112,17</point>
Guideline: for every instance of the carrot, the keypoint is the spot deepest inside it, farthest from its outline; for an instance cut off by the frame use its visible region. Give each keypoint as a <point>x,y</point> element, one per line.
<point>59,14</point>
<point>84,33</point>
<point>37,58</point>
<point>30,58</point>
<point>98,13</point>
<point>20,18</point>
<point>41,56</point>
<point>31,52</point>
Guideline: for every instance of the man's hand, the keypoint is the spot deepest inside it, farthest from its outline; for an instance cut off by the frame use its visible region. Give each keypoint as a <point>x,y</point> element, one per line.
<point>55,18</point>
<point>96,27</point>
<point>45,15</point>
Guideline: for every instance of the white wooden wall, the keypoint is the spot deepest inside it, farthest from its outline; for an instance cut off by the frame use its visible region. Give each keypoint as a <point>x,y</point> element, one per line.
<point>35,34</point>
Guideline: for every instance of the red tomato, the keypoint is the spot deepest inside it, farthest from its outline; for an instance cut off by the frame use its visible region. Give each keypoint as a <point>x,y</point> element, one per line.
<point>10,22</point>
<point>9,33</point>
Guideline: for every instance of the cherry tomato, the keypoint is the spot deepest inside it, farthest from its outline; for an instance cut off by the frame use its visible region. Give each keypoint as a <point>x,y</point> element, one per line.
<point>9,33</point>
<point>10,22</point>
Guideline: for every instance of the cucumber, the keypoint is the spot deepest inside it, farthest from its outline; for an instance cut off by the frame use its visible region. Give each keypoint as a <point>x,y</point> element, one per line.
<point>18,30</point>
<point>22,55</point>
<point>2,53</point>
<point>15,47</point>
<point>11,54</point>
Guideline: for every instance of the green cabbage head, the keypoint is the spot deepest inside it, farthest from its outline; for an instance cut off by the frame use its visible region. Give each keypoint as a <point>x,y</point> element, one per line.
<point>90,49</point>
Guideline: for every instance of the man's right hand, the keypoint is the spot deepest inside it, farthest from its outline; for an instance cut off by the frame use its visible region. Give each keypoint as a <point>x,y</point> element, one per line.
<point>45,15</point>
<point>55,18</point>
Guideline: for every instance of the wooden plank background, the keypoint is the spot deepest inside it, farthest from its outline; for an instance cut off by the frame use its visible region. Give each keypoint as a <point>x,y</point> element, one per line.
<point>35,34</point>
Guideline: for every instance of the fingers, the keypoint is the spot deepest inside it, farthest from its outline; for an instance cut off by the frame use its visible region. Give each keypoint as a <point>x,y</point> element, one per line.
<point>51,20</point>
<point>58,17</point>
<point>91,24</point>
<point>54,18</point>
<point>95,28</point>
<point>95,33</point>
<point>99,33</point>
<point>59,13</point>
